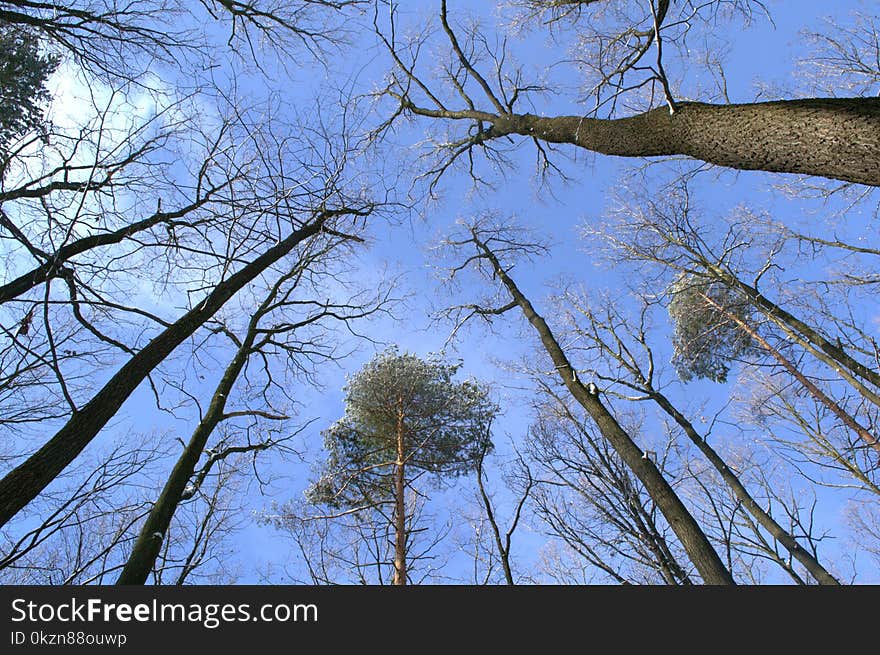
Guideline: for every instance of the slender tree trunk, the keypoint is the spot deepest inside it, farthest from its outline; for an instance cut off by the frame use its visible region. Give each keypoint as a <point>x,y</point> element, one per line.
<point>845,417</point>
<point>503,553</point>
<point>400,576</point>
<point>819,572</point>
<point>688,531</point>
<point>155,529</point>
<point>828,353</point>
<point>643,517</point>
<point>837,138</point>
<point>26,481</point>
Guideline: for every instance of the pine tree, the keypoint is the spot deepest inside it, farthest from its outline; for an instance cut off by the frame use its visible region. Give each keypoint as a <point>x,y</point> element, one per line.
<point>24,70</point>
<point>404,416</point>
<point>705,340</point>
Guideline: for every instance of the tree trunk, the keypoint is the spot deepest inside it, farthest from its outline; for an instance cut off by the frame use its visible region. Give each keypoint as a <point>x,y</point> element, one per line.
<point>832,355</point>
<point>26,481</point>
<point>155,529</point>
<point>503,551</point>
<point>845,417</point>
<point>688,531</point>
<point>837,138</point>
<point>400,577</point>
<point>819,572</point>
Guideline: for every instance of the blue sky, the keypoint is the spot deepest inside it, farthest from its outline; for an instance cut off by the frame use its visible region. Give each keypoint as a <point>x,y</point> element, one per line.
<point>764,55</point>
<point>760,59</point>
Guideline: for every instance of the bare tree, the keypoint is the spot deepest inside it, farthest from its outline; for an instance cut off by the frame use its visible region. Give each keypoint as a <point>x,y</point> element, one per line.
<point>667,231</point>
<point>588,498</point>
<point>804,431</point>
<point>91,517</point>
<point>750,549</point>
<point>829,137</point>
<point>486,245</point>
<point>865,524</point>
<point>270,328</point>
<point>281,214</point>
<point>609,340</point>
<point>845,54</point>
<point>502,539</point>
<point>197,547</point>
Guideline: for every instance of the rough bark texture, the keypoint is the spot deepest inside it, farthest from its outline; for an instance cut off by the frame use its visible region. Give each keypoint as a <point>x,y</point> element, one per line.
<point>837,138</point>
<point>26,481</point>
<point>688,531</point>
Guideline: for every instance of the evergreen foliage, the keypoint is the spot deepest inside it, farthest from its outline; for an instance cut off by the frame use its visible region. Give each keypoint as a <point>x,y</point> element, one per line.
<point>705,338</point>
<point>445,427</point>
<point>24,70</point>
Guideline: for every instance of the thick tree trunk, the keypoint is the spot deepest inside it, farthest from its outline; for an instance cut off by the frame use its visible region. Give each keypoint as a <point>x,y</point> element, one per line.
<point>26,481</point>
<point>400,577</point>
<point>837,138</point>
<point>688,531</point>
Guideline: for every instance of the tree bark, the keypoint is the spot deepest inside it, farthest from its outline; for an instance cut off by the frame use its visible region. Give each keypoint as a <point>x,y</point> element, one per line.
<point>688,531</point>
<point>837,138</point>
<point>155,529</point>
<point>26,481</point>
<point>400,577</point>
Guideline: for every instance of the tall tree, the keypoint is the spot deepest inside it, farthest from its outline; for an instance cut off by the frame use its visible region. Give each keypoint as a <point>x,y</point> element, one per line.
<point>836,138</point>
<point>251,251</point>
<point>479,242</point>
<point>719,317</point>
<point>159,185</point>
<point>404,417</point>
<point>617,344</point>
<point>273,329</point>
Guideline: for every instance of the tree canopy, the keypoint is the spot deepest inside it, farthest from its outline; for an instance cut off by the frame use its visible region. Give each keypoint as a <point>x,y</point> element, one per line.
<point>704,338</point>
<point>209,212</point>
<point>24,71</point>
<point>444,423</point>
